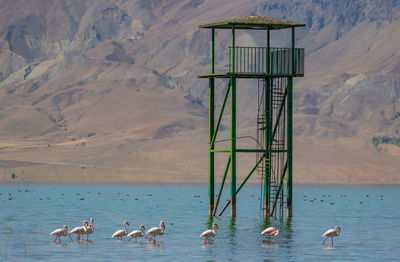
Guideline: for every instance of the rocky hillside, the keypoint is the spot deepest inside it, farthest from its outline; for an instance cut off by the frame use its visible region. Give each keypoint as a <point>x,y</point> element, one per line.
<point>107,90</point>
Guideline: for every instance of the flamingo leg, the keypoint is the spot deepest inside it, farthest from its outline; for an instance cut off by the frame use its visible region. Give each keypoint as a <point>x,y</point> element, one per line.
<point>154,240</point>
<point>323,242</point>
<point>59,240</point>
<point>267,240</point>
<point>332,241</point>
<point>206,240</point>
<point>70,238</point>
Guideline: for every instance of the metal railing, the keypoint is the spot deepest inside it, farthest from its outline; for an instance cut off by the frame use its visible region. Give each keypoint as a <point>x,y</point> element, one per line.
<point>252,60</point>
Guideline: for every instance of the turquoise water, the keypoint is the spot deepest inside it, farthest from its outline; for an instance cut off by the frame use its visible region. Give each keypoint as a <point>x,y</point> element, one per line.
<point>369,218</point>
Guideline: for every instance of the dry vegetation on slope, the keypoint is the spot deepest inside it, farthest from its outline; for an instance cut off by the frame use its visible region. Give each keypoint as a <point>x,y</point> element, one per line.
<point>107,91</point>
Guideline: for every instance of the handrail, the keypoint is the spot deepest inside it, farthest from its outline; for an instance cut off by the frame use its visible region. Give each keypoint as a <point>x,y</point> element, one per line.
<point>253,60</point>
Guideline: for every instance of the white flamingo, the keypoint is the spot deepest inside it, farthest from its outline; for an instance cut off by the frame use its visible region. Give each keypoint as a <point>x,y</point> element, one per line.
<point>137,233</point>
<point>90,228</point>
<point>122,232</point>
<point>270,232</point>
<point>79,230</point>
<point>331,233</point>
<point>60,232</point>
<point>209,233</point>
<point>156,231</point>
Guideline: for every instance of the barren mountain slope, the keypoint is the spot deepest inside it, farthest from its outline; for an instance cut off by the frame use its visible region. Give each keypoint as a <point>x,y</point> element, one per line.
<point>103,90</point>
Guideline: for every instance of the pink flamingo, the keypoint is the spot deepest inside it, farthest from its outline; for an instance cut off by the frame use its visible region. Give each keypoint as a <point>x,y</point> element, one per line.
<point>60,232</point>
<point>270,232</point>
<point>209,233</point>
<point>79,230</point>
<point>137,233</point>
<point>122,232</point>
<point>89,229</point>
<point>331,233</point>
<point>156,231</point>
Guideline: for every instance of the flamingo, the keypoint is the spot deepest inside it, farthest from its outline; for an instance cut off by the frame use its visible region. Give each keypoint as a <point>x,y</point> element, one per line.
<point>79,230</point>
<point>90,228</point>
<point>331,233</point>
<point>60,232</point>
<point>137,233</point>
<point>122,232</point>
<point>270,232</point>
<point>156,231</point>
<point>209,233</point>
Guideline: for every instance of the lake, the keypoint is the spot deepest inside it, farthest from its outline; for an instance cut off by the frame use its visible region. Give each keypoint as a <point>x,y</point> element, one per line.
<point>369,218</point>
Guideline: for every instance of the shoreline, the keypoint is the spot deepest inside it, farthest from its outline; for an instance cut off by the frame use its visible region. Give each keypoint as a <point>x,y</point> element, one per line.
<point>188,184</point>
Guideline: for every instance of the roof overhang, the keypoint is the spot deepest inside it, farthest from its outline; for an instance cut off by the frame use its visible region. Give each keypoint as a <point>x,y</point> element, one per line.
<point>253,22</point>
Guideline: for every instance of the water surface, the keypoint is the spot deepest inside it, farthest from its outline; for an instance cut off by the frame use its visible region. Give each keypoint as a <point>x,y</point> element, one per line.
<point>368,216</point>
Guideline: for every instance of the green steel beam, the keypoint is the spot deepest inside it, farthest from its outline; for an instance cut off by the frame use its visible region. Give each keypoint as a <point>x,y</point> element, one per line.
<point>220,115</point>
<point>248,176</point>
<point>289,126</point>
<point>242,184</point>
<point>211,120</point>
<point>223,209</point>
<point>267,130</point>
<point>268,70</point>
<point>233,130</point>
<point>246,75</point>
<point>290,147</point>
<point>222,185</point>
<point>279,187</point>
<point>260,150</point>
<point>221,150</point>
<point>212,51</point>
<point>250,150</point>
<point>279,114</point>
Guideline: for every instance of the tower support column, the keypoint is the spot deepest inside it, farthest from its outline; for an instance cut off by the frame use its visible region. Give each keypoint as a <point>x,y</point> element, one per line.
<point>211,115</point>
<point>233,129</point>
<point>289,200</point>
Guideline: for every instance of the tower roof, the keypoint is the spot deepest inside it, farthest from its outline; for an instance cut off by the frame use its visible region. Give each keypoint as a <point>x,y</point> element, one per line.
<point>253,22</point>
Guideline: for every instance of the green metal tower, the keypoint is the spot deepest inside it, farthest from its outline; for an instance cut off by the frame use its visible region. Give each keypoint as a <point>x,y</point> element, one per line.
<point>274,68</point>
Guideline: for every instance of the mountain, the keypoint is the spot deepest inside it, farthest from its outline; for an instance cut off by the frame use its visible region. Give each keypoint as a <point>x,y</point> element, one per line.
<point>107,90</point>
